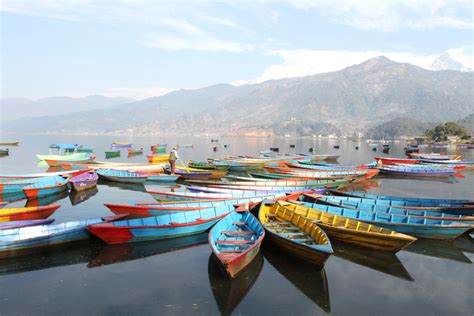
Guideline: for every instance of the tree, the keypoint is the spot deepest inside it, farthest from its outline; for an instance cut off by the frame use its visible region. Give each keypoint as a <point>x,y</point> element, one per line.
<point>442,131</point>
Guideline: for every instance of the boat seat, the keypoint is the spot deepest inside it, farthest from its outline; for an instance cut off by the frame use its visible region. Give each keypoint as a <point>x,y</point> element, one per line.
<point>293,234</point>
<point>316,221</point>
<point>239,223</point>
<point>279,223</point>
<point>271,215</point>
<point>303,240</point>
<point>246,232</point>
<point>286,228</point>
<point>234,242</point>
<point>231,251</point>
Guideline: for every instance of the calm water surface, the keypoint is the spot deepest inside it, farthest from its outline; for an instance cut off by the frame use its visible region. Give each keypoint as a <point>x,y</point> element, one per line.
<point>179,277</point>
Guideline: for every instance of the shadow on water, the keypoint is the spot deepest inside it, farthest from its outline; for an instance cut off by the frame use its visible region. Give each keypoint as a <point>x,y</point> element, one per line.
<point>46,200</point>
<point>228,293</point>
<point>111,254</point>
<point>443,249</point>
<point>306,277</point>
<point>51,256</point>
<point>381,261</point>
<point>77,197</point>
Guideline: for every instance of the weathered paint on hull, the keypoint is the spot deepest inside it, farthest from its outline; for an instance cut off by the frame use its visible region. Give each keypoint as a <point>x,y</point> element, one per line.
<point>34,193</point>
<point>234,267</point>
<point>41,213</point>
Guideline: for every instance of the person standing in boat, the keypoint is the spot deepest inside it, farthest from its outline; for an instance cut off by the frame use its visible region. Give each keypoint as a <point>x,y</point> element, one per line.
<point>173,157</point>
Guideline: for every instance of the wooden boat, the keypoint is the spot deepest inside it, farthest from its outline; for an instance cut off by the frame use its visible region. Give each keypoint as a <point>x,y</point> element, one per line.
<point>112,154</point>
<point>27,213</point>
<point>9,143</point>
<point>255,190</point>
<point>214,174</point>
<point>164,158</point>
<point>132,151</point>
<point>272,183</point>
<point>295,234</point>
<point>187,174</point>
<point>158,227</point>
<point>424,172</point>
<point>395,161</point>
<point>207,165</point>
<point>418,208</point>
<point>45,187</point>
<point>84,181</point>
<point>271,175</point>
<point>4,152</point>
<point>121,176</point>
<point>20,240</point>
<point>159,177</point>
<point>432,202</point>
<point>121,145</point>
<point>235,240</point>
<point>349,230</point>
<point>447,162</point>
<point>157,210</point>
<point>186,196</point>
<point>64,159</point>
<point>433,156</point>
<point>25,223</point>
<point>24,176</point>
<point>184,146</point>
<point>71,148</point>
<point>158,150</point>
<point>410,225</point>
<point>132,167</point>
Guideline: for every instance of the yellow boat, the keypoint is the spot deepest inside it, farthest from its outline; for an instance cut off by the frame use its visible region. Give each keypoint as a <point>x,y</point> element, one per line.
<point>351,231</point>
<point>158,158</point>
<point>295,234</point>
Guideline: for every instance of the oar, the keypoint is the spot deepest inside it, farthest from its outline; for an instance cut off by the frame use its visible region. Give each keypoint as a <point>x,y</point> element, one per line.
<point>185,167</point>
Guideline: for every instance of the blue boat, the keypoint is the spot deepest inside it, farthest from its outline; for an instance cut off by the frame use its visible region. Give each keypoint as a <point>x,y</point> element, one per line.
<point>373,207</point>
<point>410,225</point>
<point>16,186</point>
<point>17,241</point>
<point>121,176</point>
<point>158,227</point>
<point>435,202</point>
<point>235,240</point>
<point>189,196</point>
<point>45,187</point>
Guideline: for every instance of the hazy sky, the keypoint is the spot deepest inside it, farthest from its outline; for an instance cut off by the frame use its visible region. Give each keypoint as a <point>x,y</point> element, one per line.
<point>145,48</point>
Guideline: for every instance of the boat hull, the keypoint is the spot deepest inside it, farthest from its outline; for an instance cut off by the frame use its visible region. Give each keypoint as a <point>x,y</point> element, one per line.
<point>29,213</point>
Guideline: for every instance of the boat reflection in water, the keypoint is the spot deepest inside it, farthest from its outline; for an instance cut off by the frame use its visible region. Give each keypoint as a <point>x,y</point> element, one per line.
<point>444,249</point>
<point>52,256</point>
<point>306,277</point>
<point>362,186</point>
<point>123,186</point>
<point>385,262</point>
<point>414,179</point>
<point>77,197</point>
<point>111,254</point>
<point>227,292</point>
<point>47,200</point>
<point>465,243</point>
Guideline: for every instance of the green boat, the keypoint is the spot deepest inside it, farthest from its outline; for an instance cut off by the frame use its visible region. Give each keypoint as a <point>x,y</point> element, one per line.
<point>112,154</point>
<point>207,165</point>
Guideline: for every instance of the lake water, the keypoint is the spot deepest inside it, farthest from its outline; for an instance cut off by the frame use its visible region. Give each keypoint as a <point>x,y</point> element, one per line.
<point>179,277</point>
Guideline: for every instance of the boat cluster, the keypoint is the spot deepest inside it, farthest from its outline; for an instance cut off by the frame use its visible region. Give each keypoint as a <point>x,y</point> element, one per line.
<point>293,201</point>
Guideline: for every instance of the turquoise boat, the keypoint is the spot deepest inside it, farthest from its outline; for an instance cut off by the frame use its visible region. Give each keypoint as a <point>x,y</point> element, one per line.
<point>371,207</point>
<point>17,186</point>
<point>121,176</point>
<point>17,241</point>
<point>161,177</point>
<point>112,154</point>
<point>410,225</point>
<point>158,227</point>
<point>45,187</point>
<point>437,202</point>
<point>63,150</point>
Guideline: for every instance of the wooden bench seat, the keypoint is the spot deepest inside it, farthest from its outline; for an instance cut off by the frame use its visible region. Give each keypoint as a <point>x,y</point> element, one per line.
<point>234,242</point>
<point>245,232</point>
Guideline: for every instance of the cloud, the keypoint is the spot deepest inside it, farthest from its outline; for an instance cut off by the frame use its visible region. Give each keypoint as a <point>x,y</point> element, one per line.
<point>393,15</point>
<point>302,62</point>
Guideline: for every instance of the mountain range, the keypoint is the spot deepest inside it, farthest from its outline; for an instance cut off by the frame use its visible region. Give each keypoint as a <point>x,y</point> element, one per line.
<point>355,99</point>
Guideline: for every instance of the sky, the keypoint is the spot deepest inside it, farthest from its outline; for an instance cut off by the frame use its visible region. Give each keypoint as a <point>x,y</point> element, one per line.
<point>140,49</point>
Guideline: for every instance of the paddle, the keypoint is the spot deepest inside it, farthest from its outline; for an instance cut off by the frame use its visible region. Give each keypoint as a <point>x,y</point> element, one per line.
<point>185,167</point>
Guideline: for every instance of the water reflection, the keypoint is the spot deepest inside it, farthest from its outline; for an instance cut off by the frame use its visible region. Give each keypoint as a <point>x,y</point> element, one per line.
<point>311,281</point>
<point>123,186</point>
<point>443,249</point>
<point>465,243</point>
<point>228,293</point>
<point>77,197</point>
<point>363,186</point>
<point>381,261</point>
<point>111,254</point>
<point>52,256</point>
<point>46,200</point>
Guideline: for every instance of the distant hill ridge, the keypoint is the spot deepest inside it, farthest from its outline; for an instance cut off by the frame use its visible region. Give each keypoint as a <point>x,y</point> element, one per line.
<point>354,99</point>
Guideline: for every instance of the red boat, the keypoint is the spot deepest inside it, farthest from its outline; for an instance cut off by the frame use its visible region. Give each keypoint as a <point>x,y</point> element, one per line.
<point>396,161</point>
<point>27,213</point>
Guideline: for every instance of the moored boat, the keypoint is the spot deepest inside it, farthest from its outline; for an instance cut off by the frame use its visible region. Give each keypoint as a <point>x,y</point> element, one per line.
<point>295,234</point>
<point>25,223</point>
<point>112,154</point>
<point>46,186</point>
<point>121,176</point>
<point>349,230</point>
<point>27,213</point>
<point>9,143</point>
<point>235,240</point>
<point>121,145</point>
<point>84,181</point>
<point>132,151</point>
<point>163,158</point>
